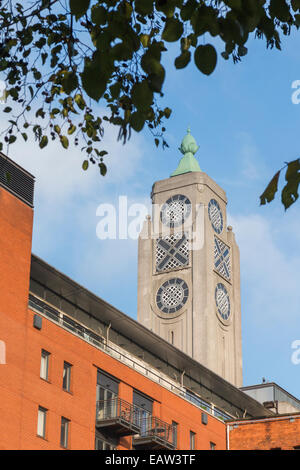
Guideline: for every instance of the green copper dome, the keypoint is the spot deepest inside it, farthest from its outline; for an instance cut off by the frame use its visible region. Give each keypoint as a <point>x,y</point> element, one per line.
<point>188,162</point>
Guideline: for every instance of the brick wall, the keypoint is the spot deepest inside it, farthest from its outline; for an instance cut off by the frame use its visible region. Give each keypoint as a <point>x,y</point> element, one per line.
<point>271,433</point>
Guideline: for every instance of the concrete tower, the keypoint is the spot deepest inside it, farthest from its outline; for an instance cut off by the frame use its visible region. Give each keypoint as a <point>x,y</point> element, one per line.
<point>189,269</point>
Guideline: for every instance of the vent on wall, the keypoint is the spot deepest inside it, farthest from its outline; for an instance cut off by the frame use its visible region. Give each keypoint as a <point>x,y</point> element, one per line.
<point>16,180</point>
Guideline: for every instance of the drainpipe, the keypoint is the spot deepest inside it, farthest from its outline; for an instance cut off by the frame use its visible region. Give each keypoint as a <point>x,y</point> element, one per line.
<point>227,437</point>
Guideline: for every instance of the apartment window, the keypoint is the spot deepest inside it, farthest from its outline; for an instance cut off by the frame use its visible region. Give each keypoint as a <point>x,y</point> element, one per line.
<point>212,446</point>
<point>64,432</point>
<point>67,377</point>
<point>105,442</point>
<point>175,428</point>
<point>45,359</point>
<point>192,440</point>
<point>143,411</point>
<point>107,396</point>
<point>41,423</point>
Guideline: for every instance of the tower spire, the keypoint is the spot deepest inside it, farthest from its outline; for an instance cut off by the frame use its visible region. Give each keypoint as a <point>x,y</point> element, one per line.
<point>188,162</point>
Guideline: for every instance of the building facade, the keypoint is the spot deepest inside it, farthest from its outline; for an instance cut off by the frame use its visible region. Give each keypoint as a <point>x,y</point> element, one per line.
<point>76,373</point>
<point>273,433</point>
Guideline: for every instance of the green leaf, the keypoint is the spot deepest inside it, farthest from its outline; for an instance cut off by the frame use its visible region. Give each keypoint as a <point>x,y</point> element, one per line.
<point>141,95</point>
<point>93,81</point>
<point>206,58</point>
<point>80,101</point>
<point>71,129</point>
<point>234,4</point>
<point>289,193</point>
<point>98,15</point>
<point>270,191</point>
<point>64,141</point>
<point>145,39</point>
<point>280,10</point>
<point>79,7</point>
<point>122,51</point>
<point>167,6</point>
<point>144,7</point>
<point>182,60</point>
<point>173,30</point>
<point>115,90</point>
<point>188,9</point>
<point>137,121</point>
<point>242,50</point>
<point>296,5</point>
<point>103,169</point>
<point>167,112</point>
<point>69,82</point>
<point>44,141</point>
<point>85,165</point>
<point>12,139</point>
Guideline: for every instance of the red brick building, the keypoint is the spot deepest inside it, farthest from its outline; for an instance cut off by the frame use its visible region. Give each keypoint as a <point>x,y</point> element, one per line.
<point>273,433</point>
<point>77,373</point>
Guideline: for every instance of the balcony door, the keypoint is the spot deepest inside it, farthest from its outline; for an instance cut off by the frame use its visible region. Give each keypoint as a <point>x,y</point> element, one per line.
<point>107,396</point>
<point>143,411</point>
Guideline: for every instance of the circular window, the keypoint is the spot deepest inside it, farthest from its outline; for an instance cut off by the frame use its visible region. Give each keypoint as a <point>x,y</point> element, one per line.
<point>215,216</point>
<point>175,210</point>
<point>172,295</point>
<point>222,301</point>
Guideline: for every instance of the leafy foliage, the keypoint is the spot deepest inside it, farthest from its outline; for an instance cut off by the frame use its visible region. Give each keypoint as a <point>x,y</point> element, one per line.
<point>60,58</point>
<point>289,192</point>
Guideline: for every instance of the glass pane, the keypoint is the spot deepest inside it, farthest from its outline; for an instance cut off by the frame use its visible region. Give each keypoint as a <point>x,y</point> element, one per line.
<point>64,432</point>
<point>99,444</point>
<point>41,425</point>
<point>44,365</point>
<point>66,376</point>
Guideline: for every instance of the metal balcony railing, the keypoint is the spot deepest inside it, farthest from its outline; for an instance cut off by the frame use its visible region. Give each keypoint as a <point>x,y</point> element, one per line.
<point>155,434</point>
<point>117,416</point>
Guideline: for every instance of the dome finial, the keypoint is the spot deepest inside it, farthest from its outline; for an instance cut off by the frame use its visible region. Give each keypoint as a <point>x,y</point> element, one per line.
<point>188,162</point>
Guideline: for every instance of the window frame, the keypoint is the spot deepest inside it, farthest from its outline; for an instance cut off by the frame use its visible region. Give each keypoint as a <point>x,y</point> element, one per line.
<point>45,356</point>
<point>175,433</point>
<point>192,440</point>
<point>64,432</point>
<point>42,412</point>
<point>67,367</point>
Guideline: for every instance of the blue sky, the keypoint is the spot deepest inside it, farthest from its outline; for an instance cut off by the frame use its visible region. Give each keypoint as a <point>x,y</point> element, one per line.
<point>246,126</point>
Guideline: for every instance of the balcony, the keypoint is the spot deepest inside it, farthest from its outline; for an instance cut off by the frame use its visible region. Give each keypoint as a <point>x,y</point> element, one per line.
<point>117,417</point>
<point>155,435</point>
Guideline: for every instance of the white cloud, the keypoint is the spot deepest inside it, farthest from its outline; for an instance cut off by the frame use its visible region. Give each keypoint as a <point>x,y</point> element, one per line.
<point>269,272</point>
<point>66,197</point>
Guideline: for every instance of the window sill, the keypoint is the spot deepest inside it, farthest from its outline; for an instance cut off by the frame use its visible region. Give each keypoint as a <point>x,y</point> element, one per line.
<point>45,380</point>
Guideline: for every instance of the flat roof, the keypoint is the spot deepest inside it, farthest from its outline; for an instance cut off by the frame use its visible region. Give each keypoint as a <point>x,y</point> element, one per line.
<point>238,401</point>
